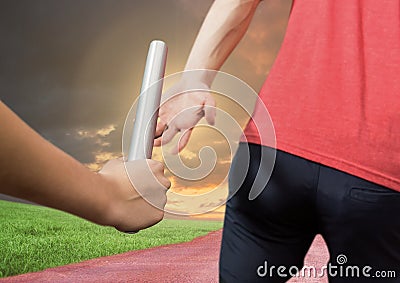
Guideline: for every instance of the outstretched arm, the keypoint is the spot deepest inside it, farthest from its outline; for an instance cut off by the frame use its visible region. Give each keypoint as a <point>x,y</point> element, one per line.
<point>33,169</point>
<point>223,28</point>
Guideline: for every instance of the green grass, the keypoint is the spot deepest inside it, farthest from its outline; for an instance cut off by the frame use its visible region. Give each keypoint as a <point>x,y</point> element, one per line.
<point>33,238</point>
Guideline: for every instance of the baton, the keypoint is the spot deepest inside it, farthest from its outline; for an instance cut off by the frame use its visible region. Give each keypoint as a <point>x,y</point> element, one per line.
<point>141,146</point>
<point>144,127</point>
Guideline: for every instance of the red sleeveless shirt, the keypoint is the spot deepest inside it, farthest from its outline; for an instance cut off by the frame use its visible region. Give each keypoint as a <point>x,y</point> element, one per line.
<point>333,92</point>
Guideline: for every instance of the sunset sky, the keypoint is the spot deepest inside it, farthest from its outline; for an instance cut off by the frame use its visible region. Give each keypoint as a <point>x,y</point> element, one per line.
<point>72,69</point>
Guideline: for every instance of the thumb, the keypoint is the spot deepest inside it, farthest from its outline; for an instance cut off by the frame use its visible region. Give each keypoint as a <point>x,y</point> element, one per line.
<point>209,109</point>
<point>183,140</point>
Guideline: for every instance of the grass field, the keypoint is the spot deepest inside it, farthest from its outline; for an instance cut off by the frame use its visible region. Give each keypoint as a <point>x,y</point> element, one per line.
<point>33,238</point>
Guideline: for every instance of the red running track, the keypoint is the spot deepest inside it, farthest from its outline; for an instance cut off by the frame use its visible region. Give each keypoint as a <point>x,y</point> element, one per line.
<point>195,261</point>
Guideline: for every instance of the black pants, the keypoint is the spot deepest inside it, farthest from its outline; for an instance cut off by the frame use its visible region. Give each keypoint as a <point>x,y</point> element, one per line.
<point>359,220</point>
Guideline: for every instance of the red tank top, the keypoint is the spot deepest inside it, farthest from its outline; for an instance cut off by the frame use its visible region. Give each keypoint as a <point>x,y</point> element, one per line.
<point>333,92</point>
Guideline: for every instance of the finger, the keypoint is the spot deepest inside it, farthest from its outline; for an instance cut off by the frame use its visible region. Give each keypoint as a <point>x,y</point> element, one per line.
<point>169,134</point>
<point>166,183</point>
<point>163,181</point>
<point>156,166</point>
<point>122,159</point>
<point>159,204</point>
<point>157,141</point>
<point>183,140</point>
<point>209,109</point>
<point>158,135</point>
<point>160,128</point>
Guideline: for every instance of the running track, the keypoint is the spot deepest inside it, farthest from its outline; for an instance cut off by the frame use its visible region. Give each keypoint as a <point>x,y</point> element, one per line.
<point>195,261</point>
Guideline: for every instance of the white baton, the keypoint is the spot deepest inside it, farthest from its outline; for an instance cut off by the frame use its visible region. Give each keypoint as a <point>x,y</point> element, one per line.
<point>141,146</point>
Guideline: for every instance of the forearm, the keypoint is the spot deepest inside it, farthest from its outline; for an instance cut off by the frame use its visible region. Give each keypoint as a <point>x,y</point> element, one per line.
<point>32,168</point>
<point>223,28</point>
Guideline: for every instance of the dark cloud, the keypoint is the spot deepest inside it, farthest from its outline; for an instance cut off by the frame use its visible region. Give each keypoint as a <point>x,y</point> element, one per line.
<point>67,65</point>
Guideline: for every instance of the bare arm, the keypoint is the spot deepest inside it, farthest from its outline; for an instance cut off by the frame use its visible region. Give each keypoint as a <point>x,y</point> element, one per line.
<point>32,168</point>
<point>223,28</point>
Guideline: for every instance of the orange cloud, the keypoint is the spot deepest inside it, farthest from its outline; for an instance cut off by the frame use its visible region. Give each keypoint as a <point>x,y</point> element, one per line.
<point>102,132</point>
<point>195,204</point>
<point>101,158</point>
<point>98,137</point>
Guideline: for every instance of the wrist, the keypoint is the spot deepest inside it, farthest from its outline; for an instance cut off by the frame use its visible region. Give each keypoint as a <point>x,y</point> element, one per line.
<point>198,76</point>
<point>105,206</point>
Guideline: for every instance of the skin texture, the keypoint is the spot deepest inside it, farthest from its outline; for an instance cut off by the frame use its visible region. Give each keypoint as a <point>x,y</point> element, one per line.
<point>35,170</point>
<point>223,28</point>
